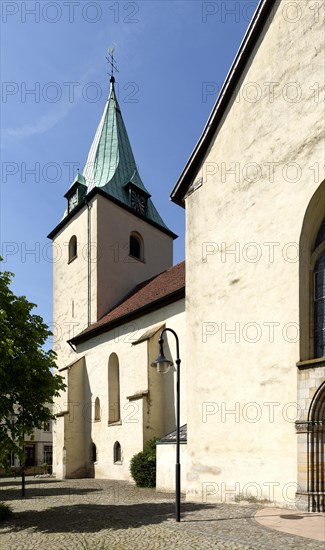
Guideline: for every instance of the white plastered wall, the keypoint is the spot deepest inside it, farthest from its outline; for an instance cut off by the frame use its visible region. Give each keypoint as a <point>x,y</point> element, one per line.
<point>242,269</point>
<point>166,459</point>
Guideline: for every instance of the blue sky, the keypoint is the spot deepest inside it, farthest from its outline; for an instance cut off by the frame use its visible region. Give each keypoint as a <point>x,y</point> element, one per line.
<point>172,56</point>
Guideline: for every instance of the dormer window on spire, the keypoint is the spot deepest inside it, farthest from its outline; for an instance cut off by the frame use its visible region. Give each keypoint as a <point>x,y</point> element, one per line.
<point>76,192</point>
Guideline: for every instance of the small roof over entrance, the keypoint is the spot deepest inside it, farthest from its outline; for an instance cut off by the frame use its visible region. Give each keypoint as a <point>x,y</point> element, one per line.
<point>171,437</point>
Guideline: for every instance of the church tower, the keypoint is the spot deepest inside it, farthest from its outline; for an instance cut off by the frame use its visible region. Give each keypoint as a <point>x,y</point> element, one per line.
<point>111,236</point>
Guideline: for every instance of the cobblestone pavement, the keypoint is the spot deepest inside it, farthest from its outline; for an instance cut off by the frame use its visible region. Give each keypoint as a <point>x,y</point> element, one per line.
<point>94,514</point>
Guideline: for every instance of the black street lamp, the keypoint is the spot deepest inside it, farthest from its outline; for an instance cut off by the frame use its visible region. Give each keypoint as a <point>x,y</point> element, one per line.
<point>23,477</point>
<point>23,465</point>
<point>163,365</point>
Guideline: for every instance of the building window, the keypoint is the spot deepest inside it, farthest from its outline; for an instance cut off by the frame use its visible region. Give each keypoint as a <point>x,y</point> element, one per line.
<point>321,235</point>
<point>136,246</point>
<point>47,426</point>
<point>97,409</point>
<point>117,453</point>
<point>47,457</point>
<point>319,293</point>
<point>113,389</point>
<point>93,452</point>
<point>11,459</point>
<point>72,248</point>
<point>29,451</point>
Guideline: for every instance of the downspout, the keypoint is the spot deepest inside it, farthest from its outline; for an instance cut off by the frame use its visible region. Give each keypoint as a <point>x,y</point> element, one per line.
<point>89,260</point>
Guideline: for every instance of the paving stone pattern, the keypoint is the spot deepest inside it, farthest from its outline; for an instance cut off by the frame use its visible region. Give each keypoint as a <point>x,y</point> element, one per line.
<point>94,514</point>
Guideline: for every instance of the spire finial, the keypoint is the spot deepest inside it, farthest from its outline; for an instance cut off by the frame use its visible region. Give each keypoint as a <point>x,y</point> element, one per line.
<point>112,63</point>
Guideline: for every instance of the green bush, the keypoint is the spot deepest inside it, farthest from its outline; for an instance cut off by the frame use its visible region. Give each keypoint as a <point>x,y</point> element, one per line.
<point>143,465</point>
<point>5,512</point>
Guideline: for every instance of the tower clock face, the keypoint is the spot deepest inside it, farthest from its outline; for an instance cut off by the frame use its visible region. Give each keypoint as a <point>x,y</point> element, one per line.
<point>73,201</point>
<point>138,202</point>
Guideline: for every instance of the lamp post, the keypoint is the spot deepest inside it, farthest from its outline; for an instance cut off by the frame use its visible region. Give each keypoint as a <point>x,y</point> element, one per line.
<point>163,365</point>
<point>23,464</point>
<point>23,476</point>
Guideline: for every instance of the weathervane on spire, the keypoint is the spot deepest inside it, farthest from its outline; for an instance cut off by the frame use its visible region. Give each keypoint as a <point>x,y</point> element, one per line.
<point>112,63</point>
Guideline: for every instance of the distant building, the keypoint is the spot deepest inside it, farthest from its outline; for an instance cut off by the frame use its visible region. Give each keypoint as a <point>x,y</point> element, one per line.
<point>38,451</point>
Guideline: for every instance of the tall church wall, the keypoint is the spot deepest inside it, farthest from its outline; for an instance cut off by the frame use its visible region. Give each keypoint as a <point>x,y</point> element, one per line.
<point>242,268</point>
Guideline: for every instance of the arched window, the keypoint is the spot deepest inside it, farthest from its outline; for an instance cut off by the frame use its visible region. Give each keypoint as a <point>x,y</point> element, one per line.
<point>319,293</point>
<point>72,248</point>
<point>97,409</point>
<point>117,452</point>
<point>113,389</point>
<point>93,452</point>
<point>136,246</point>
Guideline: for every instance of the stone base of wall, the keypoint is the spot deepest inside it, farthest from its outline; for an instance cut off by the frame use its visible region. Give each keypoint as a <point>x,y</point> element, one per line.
<point>310,436</point>
<point>310,502</point>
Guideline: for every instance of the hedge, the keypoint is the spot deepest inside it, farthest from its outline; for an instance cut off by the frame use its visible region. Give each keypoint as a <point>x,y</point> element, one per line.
<point>143,465</point>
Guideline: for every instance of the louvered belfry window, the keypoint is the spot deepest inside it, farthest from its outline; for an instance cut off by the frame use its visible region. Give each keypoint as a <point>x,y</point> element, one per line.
<point>319,295</point>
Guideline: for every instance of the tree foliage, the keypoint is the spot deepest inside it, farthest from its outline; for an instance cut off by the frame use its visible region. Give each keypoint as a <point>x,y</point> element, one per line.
<point>27,382</point>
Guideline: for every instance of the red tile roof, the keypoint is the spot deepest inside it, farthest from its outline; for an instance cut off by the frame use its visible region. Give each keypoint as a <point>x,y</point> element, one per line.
<point>164,288</point>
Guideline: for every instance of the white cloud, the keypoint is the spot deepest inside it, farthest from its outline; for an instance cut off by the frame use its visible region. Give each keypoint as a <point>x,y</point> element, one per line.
<point>49,120</point>
<point>44,124</point>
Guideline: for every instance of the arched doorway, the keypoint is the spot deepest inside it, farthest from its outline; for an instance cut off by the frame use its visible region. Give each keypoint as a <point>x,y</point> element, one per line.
<point>316,452</point>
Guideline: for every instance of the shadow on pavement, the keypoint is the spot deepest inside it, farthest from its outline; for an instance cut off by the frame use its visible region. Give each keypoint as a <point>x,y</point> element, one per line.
<point>40,489</point>
<point>28,481</point>
<point>91,518</point>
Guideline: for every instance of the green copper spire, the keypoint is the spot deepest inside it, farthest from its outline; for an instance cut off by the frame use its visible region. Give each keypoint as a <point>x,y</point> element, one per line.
<point>111,165</point>
<point>110,160</point>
